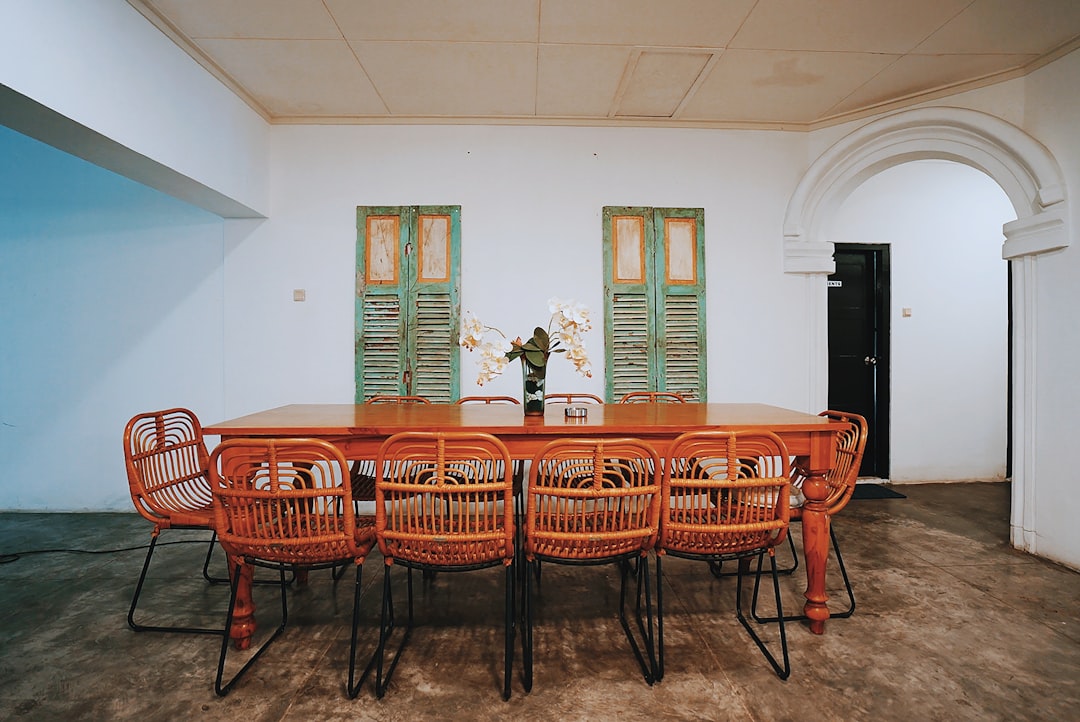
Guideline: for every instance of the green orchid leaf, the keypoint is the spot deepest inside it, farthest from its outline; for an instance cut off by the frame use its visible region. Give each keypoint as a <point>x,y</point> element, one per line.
<point>536,358</point>
<point>540,337</point>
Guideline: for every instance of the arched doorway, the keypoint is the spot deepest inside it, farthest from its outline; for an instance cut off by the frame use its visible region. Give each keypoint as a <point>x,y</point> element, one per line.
<point>938,225</point>
<point>1028,175</point>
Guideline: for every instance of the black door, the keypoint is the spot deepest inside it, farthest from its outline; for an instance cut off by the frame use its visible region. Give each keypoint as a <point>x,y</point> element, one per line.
<point>859,345</point>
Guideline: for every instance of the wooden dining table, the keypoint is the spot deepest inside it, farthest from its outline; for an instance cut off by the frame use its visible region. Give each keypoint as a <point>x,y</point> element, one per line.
<point>359,429</point>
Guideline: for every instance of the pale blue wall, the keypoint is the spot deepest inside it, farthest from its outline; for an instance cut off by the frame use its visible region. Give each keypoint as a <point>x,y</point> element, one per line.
<point>110,303</point>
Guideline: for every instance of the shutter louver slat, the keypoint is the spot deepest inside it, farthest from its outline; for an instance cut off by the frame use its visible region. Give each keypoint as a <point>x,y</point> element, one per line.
<point>630,343</point>
<point>683,349</point>
<point>381,345</point>
<point>434,346</point>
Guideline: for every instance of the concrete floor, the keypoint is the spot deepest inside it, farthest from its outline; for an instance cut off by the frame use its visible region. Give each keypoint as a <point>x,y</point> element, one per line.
<point>952,624</point>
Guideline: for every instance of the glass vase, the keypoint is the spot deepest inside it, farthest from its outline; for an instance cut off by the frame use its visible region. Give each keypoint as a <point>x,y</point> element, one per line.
<point>533,380</point>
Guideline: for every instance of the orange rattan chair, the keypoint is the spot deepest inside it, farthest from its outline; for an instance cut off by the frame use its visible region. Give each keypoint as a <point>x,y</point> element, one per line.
<point>283,503</point>
<point>573,398</point>
<point>725,498</point>
<point>395,399</point>
<point>652,397</point>
<point>166,462</point>
<point>488,400</point>
<point>441,504</point>
<point>590,502</point>
<point>850,445</point>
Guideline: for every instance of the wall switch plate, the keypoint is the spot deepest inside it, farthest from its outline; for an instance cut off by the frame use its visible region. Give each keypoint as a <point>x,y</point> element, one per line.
<point>299,294</point>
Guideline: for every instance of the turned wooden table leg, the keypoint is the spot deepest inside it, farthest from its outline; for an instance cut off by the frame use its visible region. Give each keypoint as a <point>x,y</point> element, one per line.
<point>815,529</point>
<point>243,621</point>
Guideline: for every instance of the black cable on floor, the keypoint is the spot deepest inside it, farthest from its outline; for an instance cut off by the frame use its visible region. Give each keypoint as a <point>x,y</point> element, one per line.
<point>9,558</point>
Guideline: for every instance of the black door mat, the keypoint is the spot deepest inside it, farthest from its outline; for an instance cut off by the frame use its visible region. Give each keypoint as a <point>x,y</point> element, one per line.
<point>875,491</point>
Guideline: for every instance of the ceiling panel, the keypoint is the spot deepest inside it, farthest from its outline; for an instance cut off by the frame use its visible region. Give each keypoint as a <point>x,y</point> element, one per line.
<point>579,80</point>
<point>776,86</point>
<point>877,26</point>
<point>1007,26</point>
<point>298,77</point>
<point>659,82</point>
<point>452,79</point>
<point>915,73</point>
<point>447,20</point>
<point>681,23</point>
<point>250,18</point>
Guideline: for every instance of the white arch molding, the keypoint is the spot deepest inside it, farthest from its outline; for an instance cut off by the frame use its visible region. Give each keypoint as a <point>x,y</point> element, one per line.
<point>1035,186</point>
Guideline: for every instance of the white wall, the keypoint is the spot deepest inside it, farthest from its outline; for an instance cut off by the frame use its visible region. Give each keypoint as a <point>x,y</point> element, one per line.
<point>111,298</point>
<point>531,202</point>
<point>949,358</point>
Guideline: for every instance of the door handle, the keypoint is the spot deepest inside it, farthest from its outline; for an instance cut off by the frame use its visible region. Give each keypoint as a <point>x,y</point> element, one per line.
<point>870,360</point>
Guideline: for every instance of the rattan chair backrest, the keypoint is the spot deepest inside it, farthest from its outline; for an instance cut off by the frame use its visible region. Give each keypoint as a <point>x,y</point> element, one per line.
<point>286,501</point>
<point>592,499</point>
<point>488,400</point>
<point>573,398</point>
<point>652,397</point>
<point>166,461</point>
<point>724,492</point>
<point>393,399</point>
<point>444,499</point>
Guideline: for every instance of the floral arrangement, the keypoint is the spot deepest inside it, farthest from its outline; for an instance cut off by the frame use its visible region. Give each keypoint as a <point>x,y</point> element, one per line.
<point>569,320</point>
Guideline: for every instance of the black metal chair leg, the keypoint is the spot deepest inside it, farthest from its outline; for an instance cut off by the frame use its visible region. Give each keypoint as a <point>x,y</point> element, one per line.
<point>643,652</point>
<point>223,689</point>
<point>843,573</point>
<point>782,671</point>
<point>354,685</point>
<point>527,630</point>
<point>206,563</point>
<point>386,626</point>
<point>135,602</point>
<point>802,617</point>
<point>510,612</point>
<point>659,673</point>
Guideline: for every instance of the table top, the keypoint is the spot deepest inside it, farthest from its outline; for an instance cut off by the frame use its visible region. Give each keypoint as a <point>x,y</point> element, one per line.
<point>631,419</point>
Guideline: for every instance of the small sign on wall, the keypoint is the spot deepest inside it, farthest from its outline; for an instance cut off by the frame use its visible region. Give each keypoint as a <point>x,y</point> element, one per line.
<point>833,284</point>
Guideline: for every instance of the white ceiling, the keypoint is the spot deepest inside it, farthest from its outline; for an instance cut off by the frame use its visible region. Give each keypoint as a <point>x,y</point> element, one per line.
<point>707,63</point>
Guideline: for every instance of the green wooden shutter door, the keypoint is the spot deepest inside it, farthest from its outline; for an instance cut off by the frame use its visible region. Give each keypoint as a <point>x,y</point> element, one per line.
<point>680,301</point>
<point>629,324</point>
<point>654,301</point>
<point>381,301</point>
<point>434,326</point>
<point>406,305</point>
